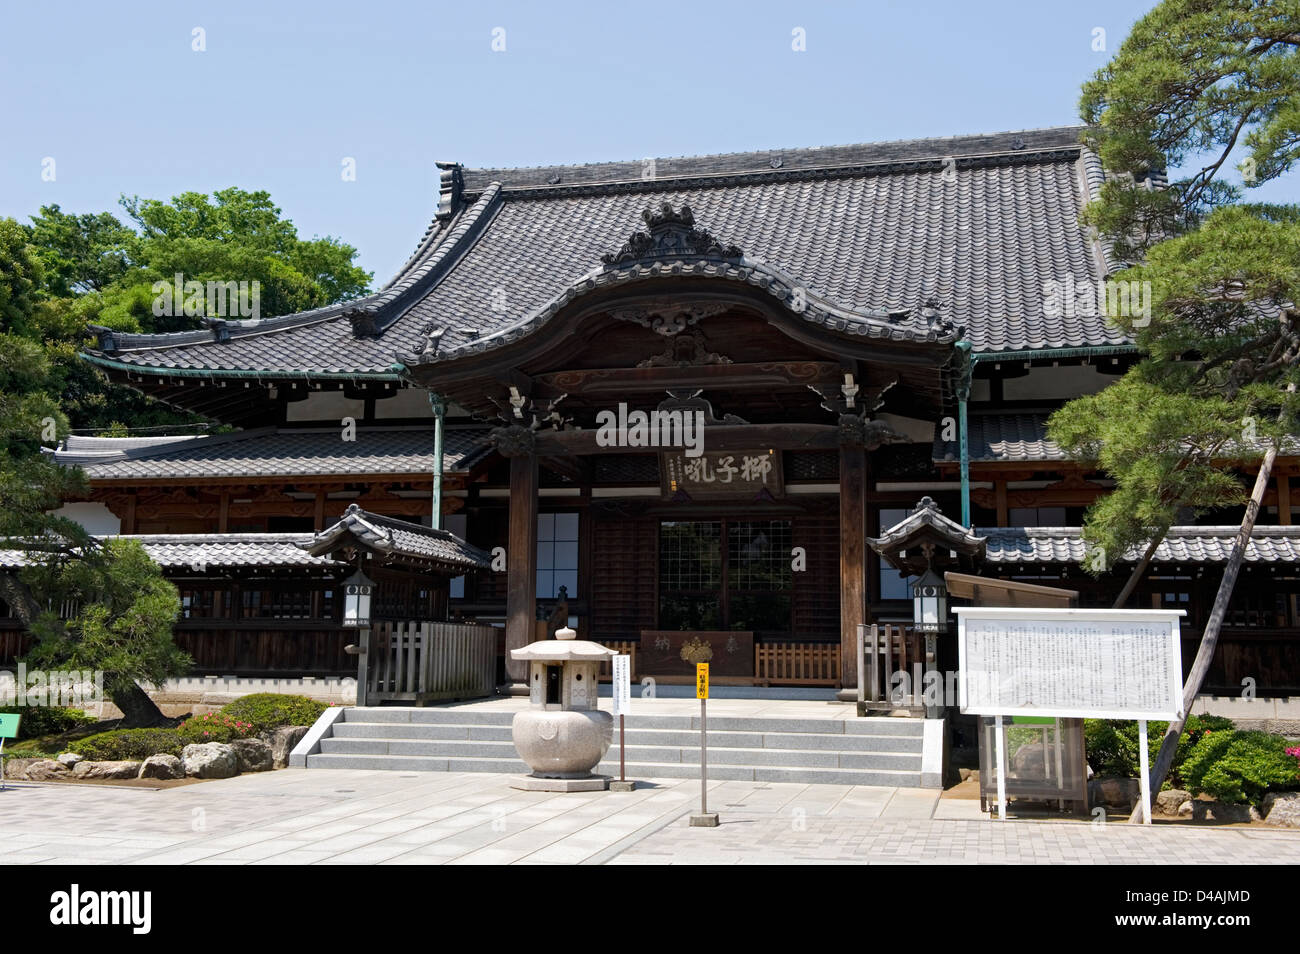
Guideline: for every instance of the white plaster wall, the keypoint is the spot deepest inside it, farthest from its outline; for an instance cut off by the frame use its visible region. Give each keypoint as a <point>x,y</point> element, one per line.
<point>93,515</point>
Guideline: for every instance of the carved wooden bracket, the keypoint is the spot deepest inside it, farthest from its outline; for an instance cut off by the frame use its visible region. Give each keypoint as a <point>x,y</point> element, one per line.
<point>856,431</point>
<point>513,441</point>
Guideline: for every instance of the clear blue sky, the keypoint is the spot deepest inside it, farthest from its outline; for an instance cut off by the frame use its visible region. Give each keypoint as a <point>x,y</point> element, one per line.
<point>284,91</point>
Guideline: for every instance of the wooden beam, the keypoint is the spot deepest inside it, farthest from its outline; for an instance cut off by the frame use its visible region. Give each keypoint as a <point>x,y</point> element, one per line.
<point>521,564</point>
<point>853,601</point>
<point>718,437</point>
<point>741,376</point>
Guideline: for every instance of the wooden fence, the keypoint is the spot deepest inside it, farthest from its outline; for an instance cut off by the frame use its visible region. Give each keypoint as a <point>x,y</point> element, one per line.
<point>627,647</point>
<point>780,664</point>
<point>890,649</point>
<point>423,662</point>
<point>797,664</point>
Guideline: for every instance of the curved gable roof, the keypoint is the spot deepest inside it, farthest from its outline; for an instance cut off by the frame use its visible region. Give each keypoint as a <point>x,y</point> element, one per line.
<point>978,223</point>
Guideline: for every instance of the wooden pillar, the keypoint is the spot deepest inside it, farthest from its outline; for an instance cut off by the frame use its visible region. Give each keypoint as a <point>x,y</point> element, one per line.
<point>128,524</point>
<point>223,513</point>
<point>1284,499</point>
<point>1000,489</point>
<point>319,514</point>
<point>521,565</point>
<point>853,597</point>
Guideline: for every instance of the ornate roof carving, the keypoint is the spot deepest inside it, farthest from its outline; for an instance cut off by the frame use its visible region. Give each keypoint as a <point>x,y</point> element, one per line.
<point>672,234</point>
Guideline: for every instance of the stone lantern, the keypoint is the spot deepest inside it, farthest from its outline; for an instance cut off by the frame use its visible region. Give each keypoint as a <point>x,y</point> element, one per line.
<point>562,735</point>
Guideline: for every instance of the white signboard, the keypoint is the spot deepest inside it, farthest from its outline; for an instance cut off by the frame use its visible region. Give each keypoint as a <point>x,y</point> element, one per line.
<point>622,684</point>
<point>1070,663</point>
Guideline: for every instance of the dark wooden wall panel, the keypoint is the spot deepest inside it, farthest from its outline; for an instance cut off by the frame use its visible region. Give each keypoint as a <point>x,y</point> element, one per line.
<point>625,558</point>
<point>817,589</point>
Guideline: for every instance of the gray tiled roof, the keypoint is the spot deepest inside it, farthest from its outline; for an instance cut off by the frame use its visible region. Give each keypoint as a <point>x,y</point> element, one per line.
<point>1020,437</point>
<point>195,551</point>
<point>863,229</point>
<point>925,515</point>
<point>287,452</point>
<point>400,539</point>
<point>1002,437</point>
<point>1182,545</point>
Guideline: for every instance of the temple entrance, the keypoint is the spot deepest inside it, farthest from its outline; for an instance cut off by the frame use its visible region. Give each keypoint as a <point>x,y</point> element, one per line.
<point>726,574</point>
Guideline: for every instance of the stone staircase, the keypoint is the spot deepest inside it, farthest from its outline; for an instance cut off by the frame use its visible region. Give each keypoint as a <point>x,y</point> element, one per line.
<point>870,751</point>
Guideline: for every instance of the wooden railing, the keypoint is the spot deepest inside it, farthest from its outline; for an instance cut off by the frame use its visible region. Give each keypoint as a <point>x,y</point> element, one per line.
<point>626,646</point>
<point>429,662</point>
<point>797,664</point>
<point>889,649</point>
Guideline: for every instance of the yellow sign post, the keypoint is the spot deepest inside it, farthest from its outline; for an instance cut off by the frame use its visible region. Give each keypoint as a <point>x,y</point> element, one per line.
<point>705,819</point>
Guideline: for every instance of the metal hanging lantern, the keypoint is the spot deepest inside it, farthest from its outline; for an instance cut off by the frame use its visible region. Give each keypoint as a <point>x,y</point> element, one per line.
<point>930,603</point>
<point>357,590</point>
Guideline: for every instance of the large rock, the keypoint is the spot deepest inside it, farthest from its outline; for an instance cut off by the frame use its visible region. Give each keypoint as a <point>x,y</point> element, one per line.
<point>1223,813</point>
<point>1028,761</point>
<point>283,740</point>
<point>17,768</point>
<point>71,758</point>
<point>1169,801</point>
<point>162,766</point>
<point>254,755</point>
<point>1118,793</point>
<point>210,760</point>
<point>1283,809</point>
<point>125,769</point>
<point>45,770</point>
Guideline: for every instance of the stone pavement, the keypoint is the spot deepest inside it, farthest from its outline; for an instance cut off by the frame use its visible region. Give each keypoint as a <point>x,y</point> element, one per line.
<point>298,816</point>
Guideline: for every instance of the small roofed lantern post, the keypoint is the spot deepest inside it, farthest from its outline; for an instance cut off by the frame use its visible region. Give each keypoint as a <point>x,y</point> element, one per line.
<point>358,593</point>
<point>913,546</point>
<point>563,735</point>
<point>930,601</point>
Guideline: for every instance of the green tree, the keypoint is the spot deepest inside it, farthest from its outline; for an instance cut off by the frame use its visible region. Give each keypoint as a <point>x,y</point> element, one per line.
<point>1196,84</point>
<point>20,275</point>
<point>125,608</point>
<point>93,269</point>
<point>233,236</point>
<point>80,253</point>
<point>122,624</point>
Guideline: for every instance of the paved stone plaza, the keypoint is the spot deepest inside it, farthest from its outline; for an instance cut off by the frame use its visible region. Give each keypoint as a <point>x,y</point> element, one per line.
<point>307,817</point>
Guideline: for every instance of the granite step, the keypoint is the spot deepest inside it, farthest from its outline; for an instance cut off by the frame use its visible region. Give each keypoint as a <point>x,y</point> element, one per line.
<point>872,751</point>
<point>758,773</point>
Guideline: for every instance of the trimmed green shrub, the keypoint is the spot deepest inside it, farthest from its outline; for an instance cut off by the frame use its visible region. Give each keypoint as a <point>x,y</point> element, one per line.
<point>213,727</point>
<point>270,710</point>
<point>132,744</point>
<point>1241,767</point>
<point>47,720</point>
<point>1112,744</point>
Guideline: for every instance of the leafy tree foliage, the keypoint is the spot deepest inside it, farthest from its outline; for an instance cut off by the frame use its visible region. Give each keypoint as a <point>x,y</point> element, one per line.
<point>1196,82</point>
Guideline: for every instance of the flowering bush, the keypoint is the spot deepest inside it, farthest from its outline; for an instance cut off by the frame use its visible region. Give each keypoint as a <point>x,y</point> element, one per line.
<point>1241,766</point>
<point>214,727</point>
<point>1112,744</point>
<point>270,710</point>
